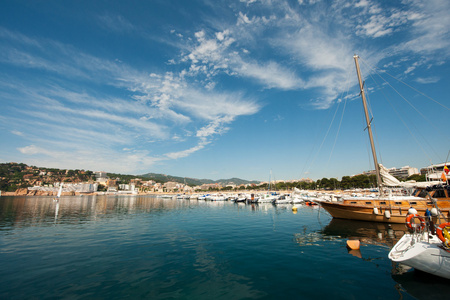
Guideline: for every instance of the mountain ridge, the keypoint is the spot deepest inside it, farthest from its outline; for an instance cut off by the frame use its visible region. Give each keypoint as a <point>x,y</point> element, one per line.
<point>195,181</point>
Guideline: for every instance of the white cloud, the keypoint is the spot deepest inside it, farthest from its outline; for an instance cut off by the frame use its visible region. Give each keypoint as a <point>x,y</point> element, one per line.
<point>16,132</point>
<point>116,23</point>
<point>271,75</point>
<point>32,149</point>
<point>427,80</point>
<point>157,107</point>
<point>431,27</point>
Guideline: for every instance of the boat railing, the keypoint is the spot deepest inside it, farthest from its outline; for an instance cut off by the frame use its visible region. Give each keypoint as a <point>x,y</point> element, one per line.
<point>440,215</point>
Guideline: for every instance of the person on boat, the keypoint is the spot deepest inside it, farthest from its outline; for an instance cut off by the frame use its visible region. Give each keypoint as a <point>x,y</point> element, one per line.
<point>429,221</point>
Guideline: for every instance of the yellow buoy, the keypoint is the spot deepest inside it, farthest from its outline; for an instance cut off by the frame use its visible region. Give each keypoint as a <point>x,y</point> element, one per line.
<point>353,244</point>
<point>294,208</point>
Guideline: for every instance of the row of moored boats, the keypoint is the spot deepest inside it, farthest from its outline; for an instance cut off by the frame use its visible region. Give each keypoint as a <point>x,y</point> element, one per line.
<point>269,197</point>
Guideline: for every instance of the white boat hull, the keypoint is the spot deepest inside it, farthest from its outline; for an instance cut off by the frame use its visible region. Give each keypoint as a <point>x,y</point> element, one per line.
<point>423,253</point>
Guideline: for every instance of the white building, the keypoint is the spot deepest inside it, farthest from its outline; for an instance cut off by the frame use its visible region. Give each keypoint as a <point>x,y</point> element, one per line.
<point>403,172</point>
<point>434,172</point>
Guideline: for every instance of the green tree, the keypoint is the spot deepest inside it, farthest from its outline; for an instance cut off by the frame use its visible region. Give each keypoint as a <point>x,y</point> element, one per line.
<point>417,177</point>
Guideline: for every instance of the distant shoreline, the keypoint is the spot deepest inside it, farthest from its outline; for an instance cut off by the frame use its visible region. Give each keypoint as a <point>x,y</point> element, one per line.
<point>66,194</point>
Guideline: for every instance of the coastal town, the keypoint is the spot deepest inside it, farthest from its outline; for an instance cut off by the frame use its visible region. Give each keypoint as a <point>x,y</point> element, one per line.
<point>20,179</point>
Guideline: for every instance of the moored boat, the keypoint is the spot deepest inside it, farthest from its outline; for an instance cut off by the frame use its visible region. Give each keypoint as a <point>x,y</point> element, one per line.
<point>385,207</point>
<point>424,250</point>
<point>392,209</point>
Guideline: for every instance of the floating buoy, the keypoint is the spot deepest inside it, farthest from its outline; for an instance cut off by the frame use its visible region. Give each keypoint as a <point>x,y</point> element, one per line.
<point>294,208</point>
<point>353,244</point>
<point>387,214</point>
<point>375,210</point>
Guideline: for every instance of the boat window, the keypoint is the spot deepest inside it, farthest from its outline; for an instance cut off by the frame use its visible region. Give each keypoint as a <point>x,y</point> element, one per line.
<point>422,194</point>
<point>413,203</point>
<point>383,202</point>
<point>368,202</point>
<point>353,202</point>
<point>430,203</point>
<point>398,202</point>
<point>439,194</point>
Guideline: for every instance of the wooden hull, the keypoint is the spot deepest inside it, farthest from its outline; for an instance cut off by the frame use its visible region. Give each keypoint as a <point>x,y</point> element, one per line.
<point>366,212</point>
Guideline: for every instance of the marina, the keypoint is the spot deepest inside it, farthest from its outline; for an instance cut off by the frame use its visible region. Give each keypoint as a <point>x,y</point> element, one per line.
<point>98,247</point>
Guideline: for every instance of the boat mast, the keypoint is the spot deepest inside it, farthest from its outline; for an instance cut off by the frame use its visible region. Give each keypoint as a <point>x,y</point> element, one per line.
<point>368,121</point>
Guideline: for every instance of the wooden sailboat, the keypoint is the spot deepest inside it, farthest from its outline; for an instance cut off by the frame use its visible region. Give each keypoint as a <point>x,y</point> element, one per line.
<point>386,208</point>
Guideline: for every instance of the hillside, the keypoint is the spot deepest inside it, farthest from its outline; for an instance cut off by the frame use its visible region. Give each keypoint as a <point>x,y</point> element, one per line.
<point>19,175</point>
<point>162,178</point>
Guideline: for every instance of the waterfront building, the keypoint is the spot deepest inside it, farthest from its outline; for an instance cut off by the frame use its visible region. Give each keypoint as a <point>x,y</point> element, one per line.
<point>403,172</point>
<point>434,172</point>
<point>101,177</point>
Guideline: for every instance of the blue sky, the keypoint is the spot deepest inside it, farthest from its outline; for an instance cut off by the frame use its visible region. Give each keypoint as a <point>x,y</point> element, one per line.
<point>220,89</point>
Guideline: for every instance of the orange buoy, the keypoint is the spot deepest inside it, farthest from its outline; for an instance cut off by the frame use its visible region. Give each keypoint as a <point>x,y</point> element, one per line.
<point>353,244</point>
<point>412,225</point>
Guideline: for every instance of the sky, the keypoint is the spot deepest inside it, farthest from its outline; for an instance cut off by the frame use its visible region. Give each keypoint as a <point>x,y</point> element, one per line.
<point>219,89</point>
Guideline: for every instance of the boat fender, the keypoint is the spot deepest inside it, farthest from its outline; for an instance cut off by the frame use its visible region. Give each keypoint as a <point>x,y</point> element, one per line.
<point>412,225</point>
<point>375,210</point>
<point>434,212</point>
<point>387,214</point>
<point>412,211</point>
<point>443,233</point>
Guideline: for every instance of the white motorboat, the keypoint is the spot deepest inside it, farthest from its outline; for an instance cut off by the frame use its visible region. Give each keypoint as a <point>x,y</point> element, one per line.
<point>202,197</point>
<point>242,198</point>
<point>425,251</point>
<point>283,199</point>
<point>266,198</point>
<point>216,197</point>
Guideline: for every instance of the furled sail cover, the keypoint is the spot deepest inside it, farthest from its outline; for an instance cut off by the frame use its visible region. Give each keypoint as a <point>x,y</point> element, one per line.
<point>391,181</point>
<point>388,179</point>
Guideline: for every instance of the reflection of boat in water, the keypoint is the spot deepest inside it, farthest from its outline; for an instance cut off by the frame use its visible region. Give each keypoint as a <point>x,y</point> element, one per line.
<point>421,285</point>
<point>374,233</point>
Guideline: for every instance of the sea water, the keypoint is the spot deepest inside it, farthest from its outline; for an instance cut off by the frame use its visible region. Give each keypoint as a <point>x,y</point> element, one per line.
<point>144,247</point>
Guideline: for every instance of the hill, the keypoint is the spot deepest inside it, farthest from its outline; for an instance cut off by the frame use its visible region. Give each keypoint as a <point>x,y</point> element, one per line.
<point>19,175</point>
<point>162,178</point>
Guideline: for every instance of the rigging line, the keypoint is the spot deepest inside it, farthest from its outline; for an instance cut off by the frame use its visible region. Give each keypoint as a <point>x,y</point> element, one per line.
<point>413,88</point>
<point>401,119</point>
<point>363,121</point>
<point>406,100</point>
<point>342,116</point>
<point>404,123</point>
<point>326,135</point>
<point>339,129</point>
<point>305,166</point>
<point>374,129</point>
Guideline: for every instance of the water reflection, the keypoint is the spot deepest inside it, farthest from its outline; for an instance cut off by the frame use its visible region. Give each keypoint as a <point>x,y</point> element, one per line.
<point>418,284</point>
<point>422,285</point>
<point>374,233</point>
<point>33,211</point>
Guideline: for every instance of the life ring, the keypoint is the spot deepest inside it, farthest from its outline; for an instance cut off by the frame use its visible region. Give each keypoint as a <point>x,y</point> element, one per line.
<point>443,233</point>
<point>412,225</point>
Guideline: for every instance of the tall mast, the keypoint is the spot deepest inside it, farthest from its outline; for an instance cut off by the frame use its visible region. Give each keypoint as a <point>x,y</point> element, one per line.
<point>369,128</point>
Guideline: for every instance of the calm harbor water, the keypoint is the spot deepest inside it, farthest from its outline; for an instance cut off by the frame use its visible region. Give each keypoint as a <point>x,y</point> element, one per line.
<point>115,247</point>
